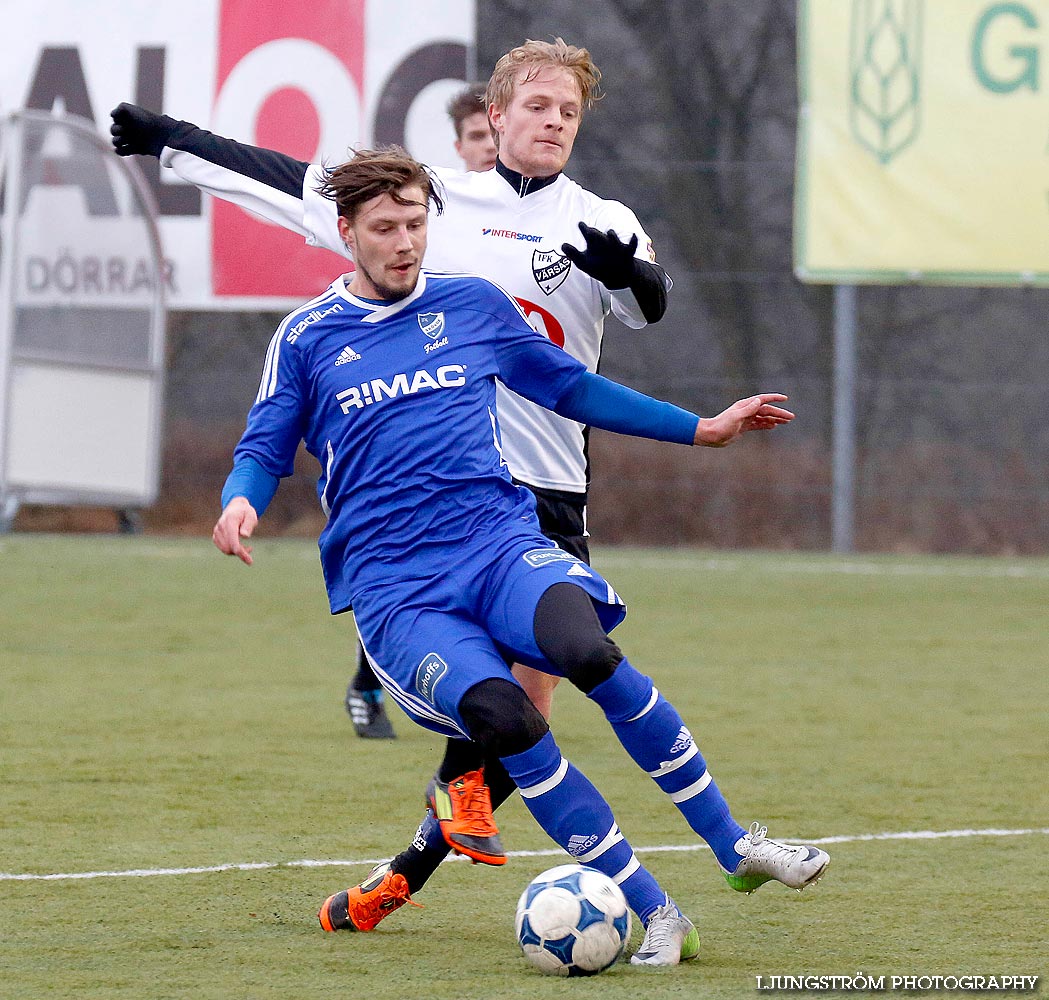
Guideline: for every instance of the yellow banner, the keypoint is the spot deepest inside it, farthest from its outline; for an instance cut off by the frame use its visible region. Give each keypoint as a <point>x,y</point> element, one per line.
<point>923,142</point>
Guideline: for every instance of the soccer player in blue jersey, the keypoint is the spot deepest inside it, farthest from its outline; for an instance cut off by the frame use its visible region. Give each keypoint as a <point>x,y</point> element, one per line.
<point>517,224</point>
<point>389,378</point>
<point>476,148</point>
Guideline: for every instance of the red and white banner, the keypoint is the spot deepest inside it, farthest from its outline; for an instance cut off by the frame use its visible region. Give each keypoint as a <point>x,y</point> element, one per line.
<point>312,79</point>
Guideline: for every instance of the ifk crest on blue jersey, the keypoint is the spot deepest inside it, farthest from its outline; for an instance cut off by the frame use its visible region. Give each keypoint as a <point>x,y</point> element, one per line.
<point>432,324</point>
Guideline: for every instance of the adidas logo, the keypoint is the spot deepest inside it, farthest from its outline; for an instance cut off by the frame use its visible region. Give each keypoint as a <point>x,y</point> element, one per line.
<point>580,844</point>
<point>419,841</point>
<point>348,355</point>
<point>683,741</point>
<point>578,570</point>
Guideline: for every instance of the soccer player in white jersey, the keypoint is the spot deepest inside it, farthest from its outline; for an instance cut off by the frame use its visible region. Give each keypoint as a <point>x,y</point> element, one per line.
<point>444,564</point>
<point>516,224</point>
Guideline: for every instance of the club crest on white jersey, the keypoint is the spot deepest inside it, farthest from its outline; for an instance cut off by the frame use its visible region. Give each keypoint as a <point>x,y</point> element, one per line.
<point>550,268</point>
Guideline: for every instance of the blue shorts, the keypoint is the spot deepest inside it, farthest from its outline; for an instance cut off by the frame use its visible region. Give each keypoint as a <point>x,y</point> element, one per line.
<point>432,639</point>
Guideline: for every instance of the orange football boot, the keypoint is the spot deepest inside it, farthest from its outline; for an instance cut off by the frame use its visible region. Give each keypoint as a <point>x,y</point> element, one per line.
<point>361,907</point>
<point>463,808</point>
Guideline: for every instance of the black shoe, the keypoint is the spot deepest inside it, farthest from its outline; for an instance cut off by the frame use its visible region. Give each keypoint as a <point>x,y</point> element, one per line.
<point>370,721</point>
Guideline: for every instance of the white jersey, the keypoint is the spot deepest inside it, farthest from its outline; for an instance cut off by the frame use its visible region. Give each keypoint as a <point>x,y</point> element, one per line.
<point>488,228</point>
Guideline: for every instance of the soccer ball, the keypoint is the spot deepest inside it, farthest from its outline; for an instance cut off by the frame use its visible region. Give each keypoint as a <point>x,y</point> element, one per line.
<point>572,921</point>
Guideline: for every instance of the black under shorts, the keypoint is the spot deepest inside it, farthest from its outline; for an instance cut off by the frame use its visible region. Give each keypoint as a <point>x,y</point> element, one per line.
<point>562,518</point>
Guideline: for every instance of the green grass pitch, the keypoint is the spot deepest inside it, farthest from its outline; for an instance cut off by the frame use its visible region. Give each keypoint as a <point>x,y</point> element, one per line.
<point>165,708</point>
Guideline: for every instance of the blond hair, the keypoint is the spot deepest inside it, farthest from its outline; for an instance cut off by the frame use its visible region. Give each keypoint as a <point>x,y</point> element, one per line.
<point>535,56</point>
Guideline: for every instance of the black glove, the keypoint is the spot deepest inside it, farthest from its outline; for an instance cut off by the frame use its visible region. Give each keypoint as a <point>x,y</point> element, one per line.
<point>136,130</point>
<point>606,257</point>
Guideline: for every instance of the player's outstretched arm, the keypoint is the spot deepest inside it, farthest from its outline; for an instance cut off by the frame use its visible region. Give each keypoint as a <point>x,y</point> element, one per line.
<point>238,522</point>
<point>262,181</point>
<point>755,413</point>
<point>600,402</point>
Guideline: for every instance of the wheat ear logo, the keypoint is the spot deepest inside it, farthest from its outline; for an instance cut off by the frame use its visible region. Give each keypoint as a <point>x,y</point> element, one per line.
<point>885,75</point>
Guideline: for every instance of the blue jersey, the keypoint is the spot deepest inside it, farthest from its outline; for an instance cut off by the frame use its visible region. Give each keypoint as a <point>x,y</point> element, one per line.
<point>396,401</point>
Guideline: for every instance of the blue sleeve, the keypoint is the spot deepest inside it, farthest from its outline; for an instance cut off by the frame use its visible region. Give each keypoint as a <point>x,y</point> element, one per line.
<point>276,424</point>
<point>603,403</point>
<point>278,421</point>
<point>250,480</point>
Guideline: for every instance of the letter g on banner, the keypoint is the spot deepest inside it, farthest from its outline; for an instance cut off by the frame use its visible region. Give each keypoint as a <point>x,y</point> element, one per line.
<point>294,73</point>
<point>299,65</point>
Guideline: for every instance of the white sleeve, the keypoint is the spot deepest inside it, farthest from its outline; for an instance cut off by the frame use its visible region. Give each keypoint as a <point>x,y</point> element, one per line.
<point>310,215</point>
<point>320,215</point>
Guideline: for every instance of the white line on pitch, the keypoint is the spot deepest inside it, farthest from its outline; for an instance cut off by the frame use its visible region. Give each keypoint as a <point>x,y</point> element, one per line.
<point>616,559</point>
<point>552,852</point>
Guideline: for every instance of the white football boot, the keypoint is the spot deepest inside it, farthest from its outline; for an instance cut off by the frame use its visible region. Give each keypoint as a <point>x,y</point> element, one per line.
<point>764,860</point>
<point>670,938</point>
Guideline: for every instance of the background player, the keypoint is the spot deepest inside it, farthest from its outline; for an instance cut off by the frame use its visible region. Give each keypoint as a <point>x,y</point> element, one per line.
<point>474,143</point>
<point>444,564</point>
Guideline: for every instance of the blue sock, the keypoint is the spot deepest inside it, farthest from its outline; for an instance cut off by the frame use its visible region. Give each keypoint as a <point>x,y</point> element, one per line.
<point>571,810</point>
<point>373,697</point>
<point>652,732</point>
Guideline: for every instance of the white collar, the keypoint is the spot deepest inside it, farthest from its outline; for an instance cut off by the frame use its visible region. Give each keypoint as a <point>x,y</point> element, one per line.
<point>377,311</point>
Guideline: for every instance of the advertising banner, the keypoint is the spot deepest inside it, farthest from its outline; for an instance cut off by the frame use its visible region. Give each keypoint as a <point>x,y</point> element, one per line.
<point>81,320</point>
<point>310,79</point>
<point>923,142</point>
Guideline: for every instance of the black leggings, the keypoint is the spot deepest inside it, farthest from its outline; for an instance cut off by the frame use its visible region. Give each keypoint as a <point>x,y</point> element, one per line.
<point>499,717</point>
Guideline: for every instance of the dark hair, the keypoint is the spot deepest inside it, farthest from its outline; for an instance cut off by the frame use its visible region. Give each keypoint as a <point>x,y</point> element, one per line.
<point>374,172</point>
<point>467,102</point>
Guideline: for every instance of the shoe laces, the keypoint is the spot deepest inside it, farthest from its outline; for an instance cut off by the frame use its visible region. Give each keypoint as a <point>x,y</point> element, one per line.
<point>473,803</point>
<point>397,893</point>
<point>659,933</point>
<point>390,894</point>
<point>758,842</point>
